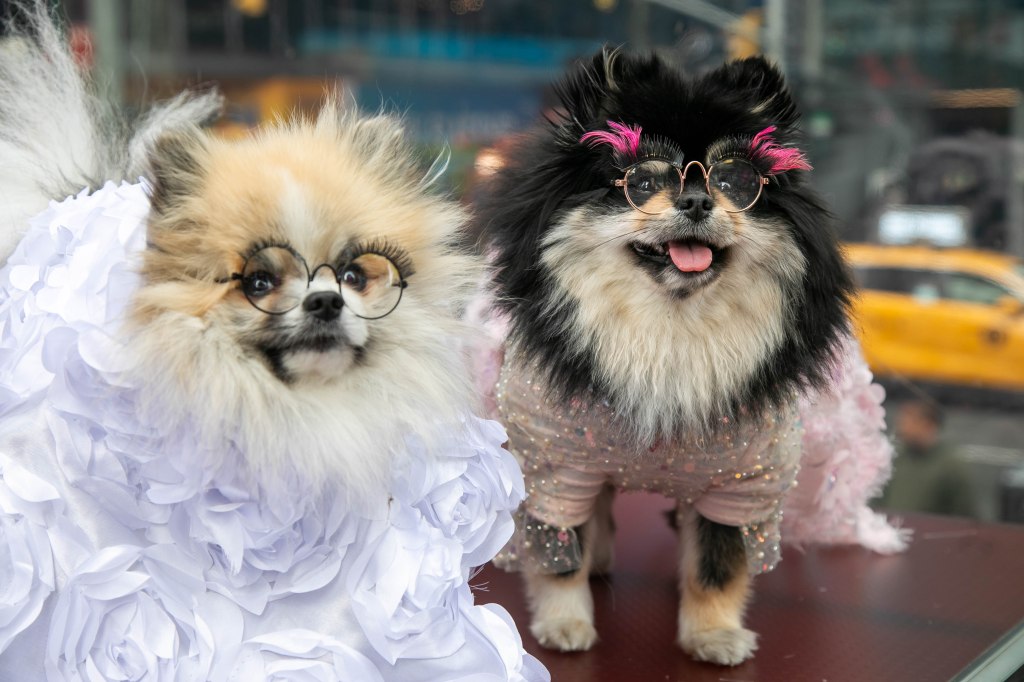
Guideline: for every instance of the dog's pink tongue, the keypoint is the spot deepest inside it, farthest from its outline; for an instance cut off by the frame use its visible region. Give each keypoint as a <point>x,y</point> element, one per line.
<point>689,257</point>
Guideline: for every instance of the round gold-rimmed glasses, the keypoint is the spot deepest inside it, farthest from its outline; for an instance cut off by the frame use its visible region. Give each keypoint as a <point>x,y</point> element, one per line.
<point>735,179</point>
<point>275,280</point>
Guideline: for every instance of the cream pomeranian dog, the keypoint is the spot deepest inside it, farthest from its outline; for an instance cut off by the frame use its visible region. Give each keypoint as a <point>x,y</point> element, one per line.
<point>240,309</point>
<point>672,293</point>
<point>236,421</point>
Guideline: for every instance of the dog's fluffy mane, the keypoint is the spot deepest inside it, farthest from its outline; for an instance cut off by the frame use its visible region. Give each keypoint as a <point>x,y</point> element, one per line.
<point>57,137</point>
<point>686,364</point>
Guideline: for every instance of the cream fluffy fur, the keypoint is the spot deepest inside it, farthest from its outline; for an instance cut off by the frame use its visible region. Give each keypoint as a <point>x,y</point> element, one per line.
<point>320,186</point>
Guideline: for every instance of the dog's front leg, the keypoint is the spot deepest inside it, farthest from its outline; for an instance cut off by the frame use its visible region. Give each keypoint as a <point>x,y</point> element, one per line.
<point>561,605</point>
<point>715,585</point>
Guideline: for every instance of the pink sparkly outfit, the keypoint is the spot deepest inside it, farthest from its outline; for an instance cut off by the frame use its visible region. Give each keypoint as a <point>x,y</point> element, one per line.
<point>805,474</point>
<point>569,454</point>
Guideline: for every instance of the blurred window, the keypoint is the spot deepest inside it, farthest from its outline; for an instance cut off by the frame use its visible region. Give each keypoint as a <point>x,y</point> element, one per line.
<point>921,284</point>
<point>971,289</point>
<point>931,285</point>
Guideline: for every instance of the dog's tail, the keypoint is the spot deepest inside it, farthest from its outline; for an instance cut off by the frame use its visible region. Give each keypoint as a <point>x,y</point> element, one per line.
<point>57,136</point>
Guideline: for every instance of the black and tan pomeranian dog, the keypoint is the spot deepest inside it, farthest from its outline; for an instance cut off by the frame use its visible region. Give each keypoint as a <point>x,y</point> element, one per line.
<point>671,285</point>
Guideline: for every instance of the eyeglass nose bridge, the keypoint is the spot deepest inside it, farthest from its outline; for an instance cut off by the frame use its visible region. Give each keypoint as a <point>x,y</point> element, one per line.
<point>703,171</point>
<point>334,272</point>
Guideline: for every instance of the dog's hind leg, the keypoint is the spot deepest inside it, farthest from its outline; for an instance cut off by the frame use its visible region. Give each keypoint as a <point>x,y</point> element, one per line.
<point>715,586</point>
<point>601,533</point>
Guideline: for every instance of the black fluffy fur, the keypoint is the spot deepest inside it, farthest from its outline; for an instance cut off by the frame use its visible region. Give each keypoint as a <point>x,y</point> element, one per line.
<point>550,171</point>
<point>722,554</point>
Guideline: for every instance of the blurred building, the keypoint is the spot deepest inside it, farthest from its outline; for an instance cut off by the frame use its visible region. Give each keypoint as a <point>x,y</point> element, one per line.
<point>462,69</point>
<point>919,102</point>
<point>879,81</point>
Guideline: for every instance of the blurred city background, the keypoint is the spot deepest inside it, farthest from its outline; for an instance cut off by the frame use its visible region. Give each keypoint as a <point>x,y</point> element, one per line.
<point>913,114</point>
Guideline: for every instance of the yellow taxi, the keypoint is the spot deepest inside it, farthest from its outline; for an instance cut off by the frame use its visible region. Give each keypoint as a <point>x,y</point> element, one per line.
<point>937,315</point>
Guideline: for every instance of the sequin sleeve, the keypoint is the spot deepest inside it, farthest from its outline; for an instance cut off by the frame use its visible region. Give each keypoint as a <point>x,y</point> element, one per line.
<point>748,491</point>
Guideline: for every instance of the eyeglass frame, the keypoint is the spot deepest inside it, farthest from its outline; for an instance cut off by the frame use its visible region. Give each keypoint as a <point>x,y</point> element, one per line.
<point>311,275</point>
<point>623,182</point>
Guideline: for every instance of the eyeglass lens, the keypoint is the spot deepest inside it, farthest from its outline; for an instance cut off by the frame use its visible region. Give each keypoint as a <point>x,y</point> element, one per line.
<point>734,179</point>
<point>275,281</point>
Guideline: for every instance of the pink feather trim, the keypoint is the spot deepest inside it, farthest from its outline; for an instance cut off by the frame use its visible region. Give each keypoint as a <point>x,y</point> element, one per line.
<point>846,461</point>
<point>623,139</point>
<point>782,158</point>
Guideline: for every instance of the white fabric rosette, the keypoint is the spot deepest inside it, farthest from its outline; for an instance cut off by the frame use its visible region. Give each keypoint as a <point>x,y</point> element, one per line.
<point>27,574</point>
<point>470,491</point>
<point>303,656</point>
<point>130,614</point>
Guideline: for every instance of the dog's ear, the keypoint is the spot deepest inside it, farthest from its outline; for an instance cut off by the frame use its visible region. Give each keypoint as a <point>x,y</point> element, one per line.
<point>176,168</point>
<point>611,68</point>
<point>591,90</point>
<point>381,143</point>
<point>760,83</point>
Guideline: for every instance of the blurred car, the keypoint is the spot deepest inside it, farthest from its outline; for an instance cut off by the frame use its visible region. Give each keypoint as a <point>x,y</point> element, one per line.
<point>941,316</point>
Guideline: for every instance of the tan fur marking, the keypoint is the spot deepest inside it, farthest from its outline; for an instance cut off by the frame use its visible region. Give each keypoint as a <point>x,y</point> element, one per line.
<point>711,619</point>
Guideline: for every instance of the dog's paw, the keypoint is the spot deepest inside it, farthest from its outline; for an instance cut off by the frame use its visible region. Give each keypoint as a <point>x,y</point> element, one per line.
<point>565,634</point>
<point>725,646</point>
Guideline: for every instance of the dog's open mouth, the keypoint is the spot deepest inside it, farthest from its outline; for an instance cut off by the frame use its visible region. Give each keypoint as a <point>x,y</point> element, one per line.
<point>317,343</point>
<point>311,341</point>
<point>310,355</point>
<point>691,257</point>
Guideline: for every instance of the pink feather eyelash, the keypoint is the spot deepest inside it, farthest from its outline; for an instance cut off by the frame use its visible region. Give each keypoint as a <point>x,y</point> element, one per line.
<point>782,158</point>
<point>623,139</point>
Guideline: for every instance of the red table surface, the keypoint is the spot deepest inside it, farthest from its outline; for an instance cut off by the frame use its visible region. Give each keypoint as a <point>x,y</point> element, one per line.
<point>824,614</point>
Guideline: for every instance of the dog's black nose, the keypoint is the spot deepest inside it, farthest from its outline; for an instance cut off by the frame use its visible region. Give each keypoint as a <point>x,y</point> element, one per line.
<point>324,305</point>
<point>695,205</point>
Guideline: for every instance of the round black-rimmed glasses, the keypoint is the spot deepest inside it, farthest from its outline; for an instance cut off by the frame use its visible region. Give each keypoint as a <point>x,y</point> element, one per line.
<point>275,279</point>
<point>735,179</point>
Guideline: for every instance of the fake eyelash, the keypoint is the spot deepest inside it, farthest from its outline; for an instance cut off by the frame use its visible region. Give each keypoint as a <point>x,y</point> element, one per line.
<point>782,158</point>
<point>382,247</point>
<point>733,148</point>
<point>655,146</point>
<point>769,157</point>
<point>624,140</point>
<point>266,244</point>
<point>629,146</point>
